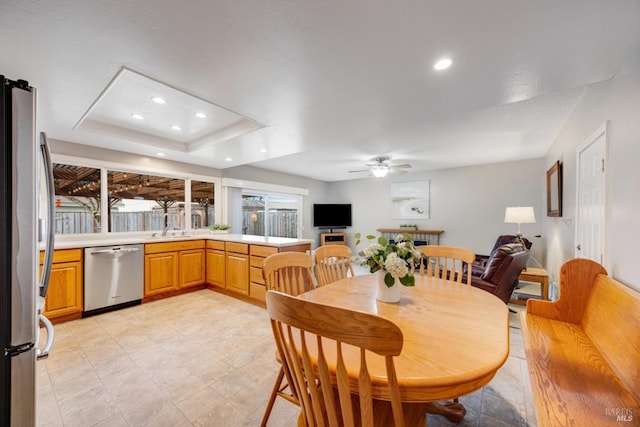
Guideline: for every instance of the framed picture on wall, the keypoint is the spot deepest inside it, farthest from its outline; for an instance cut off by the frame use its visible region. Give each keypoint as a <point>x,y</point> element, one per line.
<point>554,190</point>
<point>410,200</point>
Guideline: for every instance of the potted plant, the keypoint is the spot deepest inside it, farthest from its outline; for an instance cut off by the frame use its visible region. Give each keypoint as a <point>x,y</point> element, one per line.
<point>394,261</point>
<point>413,227</point>
<point>219,228</point>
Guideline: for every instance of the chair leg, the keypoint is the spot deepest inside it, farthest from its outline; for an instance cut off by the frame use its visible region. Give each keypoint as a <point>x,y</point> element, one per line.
<point>272,398</point>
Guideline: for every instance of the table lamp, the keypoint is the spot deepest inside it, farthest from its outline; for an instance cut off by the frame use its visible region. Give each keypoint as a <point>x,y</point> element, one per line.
<point>520,215</point>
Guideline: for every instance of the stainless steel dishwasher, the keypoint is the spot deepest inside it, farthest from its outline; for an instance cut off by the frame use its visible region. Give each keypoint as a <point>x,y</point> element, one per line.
<point>113,277</point>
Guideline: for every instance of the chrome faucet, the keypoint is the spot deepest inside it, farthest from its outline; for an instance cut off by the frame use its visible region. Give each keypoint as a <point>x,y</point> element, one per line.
<point>166,225</point>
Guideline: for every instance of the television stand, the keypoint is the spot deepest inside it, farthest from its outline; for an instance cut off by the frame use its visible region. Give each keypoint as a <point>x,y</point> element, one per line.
<point>332,238</point>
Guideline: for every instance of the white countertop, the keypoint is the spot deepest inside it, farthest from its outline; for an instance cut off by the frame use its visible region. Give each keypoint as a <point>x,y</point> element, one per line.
<point>88,240</point>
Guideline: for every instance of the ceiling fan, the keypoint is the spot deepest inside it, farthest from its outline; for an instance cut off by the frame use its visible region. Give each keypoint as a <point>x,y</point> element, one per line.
<point>380,168</point>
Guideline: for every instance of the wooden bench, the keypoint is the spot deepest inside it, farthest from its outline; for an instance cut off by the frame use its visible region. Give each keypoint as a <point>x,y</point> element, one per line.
<point>583,350</point>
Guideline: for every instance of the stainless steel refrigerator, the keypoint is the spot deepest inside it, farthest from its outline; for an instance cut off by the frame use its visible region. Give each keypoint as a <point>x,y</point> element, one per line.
<point>24,162</point>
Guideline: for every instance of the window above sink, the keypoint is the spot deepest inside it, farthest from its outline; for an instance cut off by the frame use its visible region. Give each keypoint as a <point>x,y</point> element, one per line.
<point>134,201</point>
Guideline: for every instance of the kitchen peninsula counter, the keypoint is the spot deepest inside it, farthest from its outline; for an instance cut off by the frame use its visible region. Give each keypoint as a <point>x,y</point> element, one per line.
<point>173,264</point>
<point>88,240</point>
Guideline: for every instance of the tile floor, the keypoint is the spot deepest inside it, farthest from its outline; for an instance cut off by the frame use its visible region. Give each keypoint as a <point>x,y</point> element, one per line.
<point>206,359</point>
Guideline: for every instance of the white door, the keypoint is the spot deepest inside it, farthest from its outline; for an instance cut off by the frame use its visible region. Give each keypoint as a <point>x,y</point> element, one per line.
<point>591,187</point>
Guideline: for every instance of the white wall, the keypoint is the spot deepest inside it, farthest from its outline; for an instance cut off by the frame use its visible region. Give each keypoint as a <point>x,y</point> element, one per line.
<point>467,203</point>
<point>616,101</point>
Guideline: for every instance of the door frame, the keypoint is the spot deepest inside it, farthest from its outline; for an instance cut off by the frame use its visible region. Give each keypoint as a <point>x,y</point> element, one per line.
<point>603,130</point>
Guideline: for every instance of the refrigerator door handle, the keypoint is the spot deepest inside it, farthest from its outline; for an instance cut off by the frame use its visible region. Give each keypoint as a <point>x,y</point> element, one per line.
<point>44,351</point>
<point>50,192</point>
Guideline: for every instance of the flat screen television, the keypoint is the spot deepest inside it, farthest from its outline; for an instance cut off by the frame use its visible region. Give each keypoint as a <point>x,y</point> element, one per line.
<point>331,215</point>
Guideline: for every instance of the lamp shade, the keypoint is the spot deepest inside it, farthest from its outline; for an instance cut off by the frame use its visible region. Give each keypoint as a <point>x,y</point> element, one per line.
<point>520,215</point>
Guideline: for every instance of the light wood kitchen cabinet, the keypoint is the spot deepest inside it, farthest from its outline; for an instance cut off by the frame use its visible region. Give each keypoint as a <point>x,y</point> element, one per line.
<point>160,273</point>
<point>258,253</point>
<point>237,267</point>
<point>192,268</point>
<point>172,266</point>
<point>215,263</point>
<point>64,300</point>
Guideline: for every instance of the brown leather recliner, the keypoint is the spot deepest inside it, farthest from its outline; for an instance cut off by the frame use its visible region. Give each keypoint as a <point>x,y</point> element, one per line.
<point>500,276</point>
<point>478,266</point>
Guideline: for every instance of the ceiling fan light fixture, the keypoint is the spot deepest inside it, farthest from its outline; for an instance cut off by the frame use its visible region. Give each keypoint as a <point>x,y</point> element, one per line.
<point>442,64</point>
<point>379,171</point>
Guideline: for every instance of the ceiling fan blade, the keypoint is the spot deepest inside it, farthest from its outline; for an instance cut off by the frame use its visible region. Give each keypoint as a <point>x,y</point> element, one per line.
<point>362,170</point>
<point>404,166</point>
<point>394,170</point>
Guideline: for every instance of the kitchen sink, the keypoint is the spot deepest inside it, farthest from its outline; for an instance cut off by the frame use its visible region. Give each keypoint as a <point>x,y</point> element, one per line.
<point>155,236</point>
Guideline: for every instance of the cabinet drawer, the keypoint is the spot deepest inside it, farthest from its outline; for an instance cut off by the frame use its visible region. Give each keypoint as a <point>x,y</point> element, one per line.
<point>263,251</point>
<point>255,275</point>
<point>256,261</point>
<point>190,245</point>
<point>64,255</point>
<point>239,248</point>
<point>215,244</point>
<point>155,248</point>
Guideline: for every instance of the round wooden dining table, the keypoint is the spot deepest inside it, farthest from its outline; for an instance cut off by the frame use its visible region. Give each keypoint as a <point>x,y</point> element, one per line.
<point>455,336</point>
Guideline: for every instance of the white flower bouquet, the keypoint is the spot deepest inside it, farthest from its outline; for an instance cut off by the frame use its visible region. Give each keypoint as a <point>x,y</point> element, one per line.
<point>398,258</point>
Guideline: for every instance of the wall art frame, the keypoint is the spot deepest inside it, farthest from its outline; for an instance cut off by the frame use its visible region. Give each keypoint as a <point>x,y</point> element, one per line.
<point>410,200</point>
<point>554,190</point>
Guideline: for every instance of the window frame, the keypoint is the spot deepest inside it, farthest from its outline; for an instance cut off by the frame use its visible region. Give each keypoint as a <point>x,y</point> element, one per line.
<point>229,184</point>
<point>105,166</point>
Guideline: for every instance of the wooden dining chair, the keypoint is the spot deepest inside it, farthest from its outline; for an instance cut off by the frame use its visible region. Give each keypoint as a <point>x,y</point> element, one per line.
<point>290,273</point>
<point>312,338</point>
<point>332,263</point>
<point>447,262</point>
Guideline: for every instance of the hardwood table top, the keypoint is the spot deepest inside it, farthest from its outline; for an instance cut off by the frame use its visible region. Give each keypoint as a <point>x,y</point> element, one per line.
<point>455,336</point>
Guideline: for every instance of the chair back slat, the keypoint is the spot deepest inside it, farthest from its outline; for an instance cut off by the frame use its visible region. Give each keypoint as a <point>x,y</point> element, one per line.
<point>332,263</point>
<point>447,262</point>
<point>288,272</point>
<point>327,397</point>
<point>364,387</point>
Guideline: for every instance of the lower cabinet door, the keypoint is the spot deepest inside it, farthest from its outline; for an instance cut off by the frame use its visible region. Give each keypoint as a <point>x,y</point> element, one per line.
<point>237,272</point>
<point>64,296</point>
<point>192,268</point>
<point>160,273</point>
<point>215,268</point>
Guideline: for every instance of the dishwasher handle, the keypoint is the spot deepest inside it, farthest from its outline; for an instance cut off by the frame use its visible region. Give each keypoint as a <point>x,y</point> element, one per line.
<point>114,252</point>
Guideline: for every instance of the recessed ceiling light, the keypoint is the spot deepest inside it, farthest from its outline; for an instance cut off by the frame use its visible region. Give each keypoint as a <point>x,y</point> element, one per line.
<point>201,115</point>
<point>160,154</point>
<point>137,116</point>
<point>228,159</point>
<point>263,150</point>
<point>442,64</point>
<point>176,127</point>
<point>158,100</point>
